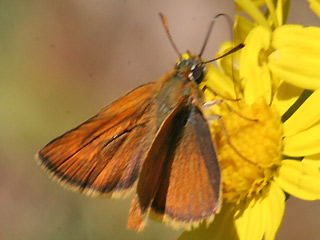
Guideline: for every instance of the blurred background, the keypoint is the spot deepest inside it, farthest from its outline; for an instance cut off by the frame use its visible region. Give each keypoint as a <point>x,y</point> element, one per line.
<point>62,61</point>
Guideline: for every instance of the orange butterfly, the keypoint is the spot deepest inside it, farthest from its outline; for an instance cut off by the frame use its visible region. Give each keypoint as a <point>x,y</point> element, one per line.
<point>156,140</point>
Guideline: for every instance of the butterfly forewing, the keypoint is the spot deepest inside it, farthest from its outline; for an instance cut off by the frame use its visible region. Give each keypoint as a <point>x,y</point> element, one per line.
<point>104,154</point>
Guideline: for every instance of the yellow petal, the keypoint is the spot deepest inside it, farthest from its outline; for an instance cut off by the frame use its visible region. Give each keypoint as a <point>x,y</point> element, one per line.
<point>304,143</point>
<point>253,68</point>
<point>279,12</point>
<point>242,27</point>
<point>286,95</point>
<point>253,11</point>
<point>299,179</point>
<point>297,37</point>
<point>296,67</point>
<point>315,6</point>
<point>315,157</point>
<point>272,12</point>
<point>273,207</point>
<point>226,63</point>
<point>297,56</point>
<point>251,223</point>
<point>221,228</point>
<point>282,10</point>
<point>218,82</point>
<point>312,162</point>
<point>258,3</point>
<point>305,116</point>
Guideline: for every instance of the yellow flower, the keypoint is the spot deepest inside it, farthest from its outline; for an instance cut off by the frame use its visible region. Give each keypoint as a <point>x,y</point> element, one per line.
<point>268,142</point>
<point>315,6</point>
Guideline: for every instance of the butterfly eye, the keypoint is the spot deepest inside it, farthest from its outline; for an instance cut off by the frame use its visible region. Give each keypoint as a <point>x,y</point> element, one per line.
<point>197,73</point>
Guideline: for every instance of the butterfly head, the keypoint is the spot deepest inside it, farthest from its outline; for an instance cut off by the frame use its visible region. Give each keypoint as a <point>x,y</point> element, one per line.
<point>192,68</point>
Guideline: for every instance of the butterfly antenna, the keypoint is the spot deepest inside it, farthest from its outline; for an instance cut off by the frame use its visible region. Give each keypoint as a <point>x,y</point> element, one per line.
<point>236,48</point>
<point>213,20</point>
<point>166,27</point>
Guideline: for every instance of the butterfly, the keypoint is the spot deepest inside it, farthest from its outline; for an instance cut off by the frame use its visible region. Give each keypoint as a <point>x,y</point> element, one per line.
<point>155,140</point>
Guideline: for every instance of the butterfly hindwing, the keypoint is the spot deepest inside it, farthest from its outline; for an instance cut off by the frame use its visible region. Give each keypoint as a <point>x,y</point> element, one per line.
<point>183,176</point>
<point>189,189</point>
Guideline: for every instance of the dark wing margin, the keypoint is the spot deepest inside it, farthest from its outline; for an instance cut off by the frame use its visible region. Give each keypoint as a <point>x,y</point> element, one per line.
<point>180,179</point>
<point>103,155</point>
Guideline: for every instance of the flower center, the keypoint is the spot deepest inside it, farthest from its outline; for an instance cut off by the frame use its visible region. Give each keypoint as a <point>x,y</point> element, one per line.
<point>249,148</point>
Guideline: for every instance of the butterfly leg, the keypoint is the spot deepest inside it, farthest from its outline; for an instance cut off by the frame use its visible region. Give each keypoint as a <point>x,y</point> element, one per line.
<point>218,94</point>
<point>219,118</point>
<point>218,101</point>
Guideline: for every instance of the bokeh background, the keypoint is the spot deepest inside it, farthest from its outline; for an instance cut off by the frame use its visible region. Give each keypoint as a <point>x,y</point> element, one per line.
<point>60,62</point>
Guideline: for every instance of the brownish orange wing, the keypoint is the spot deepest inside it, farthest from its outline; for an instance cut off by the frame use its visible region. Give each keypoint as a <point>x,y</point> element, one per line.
<point>184,188</point>
<point>104,154</point>
<point>189,190</point>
